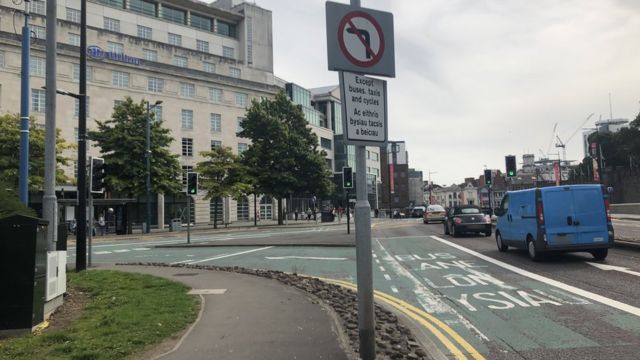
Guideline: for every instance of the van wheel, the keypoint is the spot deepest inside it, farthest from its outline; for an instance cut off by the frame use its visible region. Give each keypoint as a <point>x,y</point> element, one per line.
<point>600,254</point>
<point>501,246</point>
<point>534,254</point>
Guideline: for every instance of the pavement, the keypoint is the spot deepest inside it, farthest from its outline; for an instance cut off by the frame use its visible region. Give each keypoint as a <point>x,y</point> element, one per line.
<point>248,317</point>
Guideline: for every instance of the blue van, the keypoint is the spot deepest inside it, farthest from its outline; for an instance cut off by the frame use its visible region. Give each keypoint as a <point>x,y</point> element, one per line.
<point>559,218</point>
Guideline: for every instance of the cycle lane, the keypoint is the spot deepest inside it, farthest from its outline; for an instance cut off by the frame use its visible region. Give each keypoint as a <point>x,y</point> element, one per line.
<point>502,313</point>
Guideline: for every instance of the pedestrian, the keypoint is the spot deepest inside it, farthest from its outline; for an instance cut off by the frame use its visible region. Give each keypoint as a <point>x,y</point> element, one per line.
<point>308,213</point>
<point>296,214</point>
<point>102,224</point>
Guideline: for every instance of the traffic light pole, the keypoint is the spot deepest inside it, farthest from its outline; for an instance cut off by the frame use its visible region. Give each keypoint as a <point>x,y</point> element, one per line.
<point>189,219</point>
<point>348,222</point>
<point>90,234</point>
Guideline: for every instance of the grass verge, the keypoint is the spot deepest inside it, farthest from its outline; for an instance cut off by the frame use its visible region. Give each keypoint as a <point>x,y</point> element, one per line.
<point>127,312</point>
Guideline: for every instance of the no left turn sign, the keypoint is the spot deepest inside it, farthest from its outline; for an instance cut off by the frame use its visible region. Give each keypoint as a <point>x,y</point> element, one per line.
<point>360,40</point>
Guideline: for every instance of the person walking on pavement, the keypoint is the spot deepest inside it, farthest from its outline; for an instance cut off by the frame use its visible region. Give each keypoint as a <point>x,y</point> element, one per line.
<point>296,214</point>
<point>102,224</point>
<point>309,214</point>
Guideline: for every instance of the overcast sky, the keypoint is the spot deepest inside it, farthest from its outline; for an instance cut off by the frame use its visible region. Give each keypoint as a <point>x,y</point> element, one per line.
<point>479,79</point>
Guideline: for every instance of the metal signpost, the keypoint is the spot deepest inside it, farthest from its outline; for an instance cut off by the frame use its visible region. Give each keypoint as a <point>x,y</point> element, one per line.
<point>360,41</point>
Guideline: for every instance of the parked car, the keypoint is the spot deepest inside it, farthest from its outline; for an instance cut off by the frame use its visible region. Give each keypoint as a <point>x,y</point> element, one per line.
<point>466,219</point>
<point>559,218</point>
<point>418,211</point>
<point>434,213</point>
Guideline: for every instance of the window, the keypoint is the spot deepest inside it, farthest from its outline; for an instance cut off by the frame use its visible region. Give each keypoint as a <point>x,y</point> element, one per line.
<point>216,144</point>
<point>242,147</point>
<point>115,47</point>
<point>74,39</point>
<point>216,122</point>
<point>241,99</point>
<point>181,61</point>
<point>325,143</point>
<point>175,39</point>
<point>368,154</point>
<point>37,100</point>
<point>76,72</point>
<point>157,113</point>
<point>155,85</point>
<point>225,28</point>
<point>73,15</point>
<point>114,3</point>
<point>143,6</point>
<point>150,55</point>
<point>37,67</point>
<point>1,58</point>
<point>76,134</point>
<point>215,95</point>
<point>202,45</point>
<point>227,52</point>
<point>173,14</point>
<point>238,124</point>
<point>144,32</point>
<point>234,72</point>
<point>187,119</point>
<point>329,163</point>
<point>39,32</point>
<point>120,79</point>
<point>111,24</point>
<point>187,147</point>
<point>186,169</point>
<point>37,7</point>
<point>187,89</point>
<point>76,107</point>
<point>243,209</point>
<point>249,23</point>
<point>201,22</point>
<point>374,156</point>
<point>208,67</point>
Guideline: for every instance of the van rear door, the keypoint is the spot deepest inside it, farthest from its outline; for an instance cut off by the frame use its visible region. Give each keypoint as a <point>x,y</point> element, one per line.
<point>559,213</point>
<point>590,215</point>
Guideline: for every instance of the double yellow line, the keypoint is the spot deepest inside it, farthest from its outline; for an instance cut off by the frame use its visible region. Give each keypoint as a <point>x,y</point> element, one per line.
<point>439,329</point>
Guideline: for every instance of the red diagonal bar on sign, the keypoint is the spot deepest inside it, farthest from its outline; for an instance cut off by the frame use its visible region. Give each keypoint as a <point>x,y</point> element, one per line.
<point>361,37</point>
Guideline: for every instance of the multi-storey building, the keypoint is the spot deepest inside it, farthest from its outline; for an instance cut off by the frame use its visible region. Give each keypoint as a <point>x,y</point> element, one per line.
<point>205,62</point>
<point>394,192</point>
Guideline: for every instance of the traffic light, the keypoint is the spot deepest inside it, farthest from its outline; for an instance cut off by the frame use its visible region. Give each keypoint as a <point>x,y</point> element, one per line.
<point>192,183</point>
<point>97,174</point>
<point>487,177</point>
<point>511,165</point>
<point>347,177</point>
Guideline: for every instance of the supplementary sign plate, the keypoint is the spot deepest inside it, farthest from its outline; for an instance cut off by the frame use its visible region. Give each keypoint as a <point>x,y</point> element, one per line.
<point>364,109</point>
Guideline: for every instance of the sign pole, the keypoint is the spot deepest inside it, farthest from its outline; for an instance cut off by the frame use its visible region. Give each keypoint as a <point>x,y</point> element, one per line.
<point>189,219</point>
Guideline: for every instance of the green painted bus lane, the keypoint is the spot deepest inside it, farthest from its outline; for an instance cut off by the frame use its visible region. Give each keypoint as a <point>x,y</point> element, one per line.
<point>499,312</point>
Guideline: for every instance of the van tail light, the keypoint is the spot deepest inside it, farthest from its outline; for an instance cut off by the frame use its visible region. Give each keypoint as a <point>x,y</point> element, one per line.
<point>457,220</point>
<point>607,209</point>
<point>487,219</point>
<point>539,213</point>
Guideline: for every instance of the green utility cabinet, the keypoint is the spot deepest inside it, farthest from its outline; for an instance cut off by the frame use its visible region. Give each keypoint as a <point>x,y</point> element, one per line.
<point>23,270</point>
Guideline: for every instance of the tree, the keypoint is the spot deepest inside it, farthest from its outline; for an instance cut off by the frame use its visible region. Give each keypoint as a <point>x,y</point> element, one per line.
<point>283,157</point>
<point>10,204</point>
<point>122,142</point>
<point>10,148</point>
<point>221,174</point>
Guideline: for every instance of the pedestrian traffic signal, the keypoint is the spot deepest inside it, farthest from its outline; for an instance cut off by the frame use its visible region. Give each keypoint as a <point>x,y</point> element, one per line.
<point>487,177</point>
<point>97,174</point>
<point>192,183</point>
<point>511,165</point>
<point>347,177</point>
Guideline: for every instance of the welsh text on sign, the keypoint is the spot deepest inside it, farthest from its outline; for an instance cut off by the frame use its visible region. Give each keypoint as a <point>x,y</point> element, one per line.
<point>364,109</point>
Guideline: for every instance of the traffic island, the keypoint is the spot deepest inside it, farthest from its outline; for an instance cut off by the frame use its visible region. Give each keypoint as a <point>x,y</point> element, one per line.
<point>393,339</point>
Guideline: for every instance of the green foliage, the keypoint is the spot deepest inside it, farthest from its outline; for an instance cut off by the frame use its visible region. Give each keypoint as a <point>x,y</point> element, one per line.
<point>127,313</point>
<point>283,157</point>
<point>10,153</point>
<point>621,148</point>
<point>10,203</point>
<point>222,174</point>
<point>122,142</point>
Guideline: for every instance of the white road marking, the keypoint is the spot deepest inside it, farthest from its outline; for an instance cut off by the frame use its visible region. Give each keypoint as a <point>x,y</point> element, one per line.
<point>207,291</point>
<point>374,255</point>
<point>382,268</point>
<point>577,291</point>
<point>181,262</point>
<point>394,289</point>
<point>230,255</point>
<point>606,267</point>
<point>377,261</point>
<point>431,302</point>
<point>304,257</point>
<point>100,252</point>
<point>121,251</point>
<point>141,249</point>
<point>386,276</point>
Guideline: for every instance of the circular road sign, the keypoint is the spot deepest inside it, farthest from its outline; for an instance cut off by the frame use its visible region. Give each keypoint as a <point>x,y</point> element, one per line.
<point>361,39</point>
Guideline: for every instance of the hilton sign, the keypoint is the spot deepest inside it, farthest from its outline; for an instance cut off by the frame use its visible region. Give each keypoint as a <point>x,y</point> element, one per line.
<point>96,52</point>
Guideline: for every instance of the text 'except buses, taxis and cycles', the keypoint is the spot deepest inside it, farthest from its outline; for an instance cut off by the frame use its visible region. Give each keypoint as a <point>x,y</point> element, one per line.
<point>364,107</point>
<point>506,297</point>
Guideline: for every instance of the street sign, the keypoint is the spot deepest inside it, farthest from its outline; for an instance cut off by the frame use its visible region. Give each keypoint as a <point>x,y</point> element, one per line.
<point>364,109</point>
<point>360,40</point>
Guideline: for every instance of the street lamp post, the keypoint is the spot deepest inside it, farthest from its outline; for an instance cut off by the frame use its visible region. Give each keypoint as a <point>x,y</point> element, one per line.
<point>431,185</point>
<point>147,155</point>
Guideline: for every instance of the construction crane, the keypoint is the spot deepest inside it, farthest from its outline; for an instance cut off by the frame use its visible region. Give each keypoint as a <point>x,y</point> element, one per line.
<point>563,144</point>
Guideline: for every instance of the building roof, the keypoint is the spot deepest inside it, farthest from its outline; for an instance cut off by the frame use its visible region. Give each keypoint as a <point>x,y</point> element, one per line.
<point>324,90</point>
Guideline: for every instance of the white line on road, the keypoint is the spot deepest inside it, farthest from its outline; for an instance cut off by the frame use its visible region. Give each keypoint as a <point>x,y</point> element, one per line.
<point>304,257</point>
<point>386,276</point>
<point>101,252</point>
<point>394,289</point>
<point>141,249</point>
<point>606,267</point>
<point>382,268</point>
<point>377,261</point>
<point>121,251</point>
<point>587,294</point>
<point>230,255</point>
